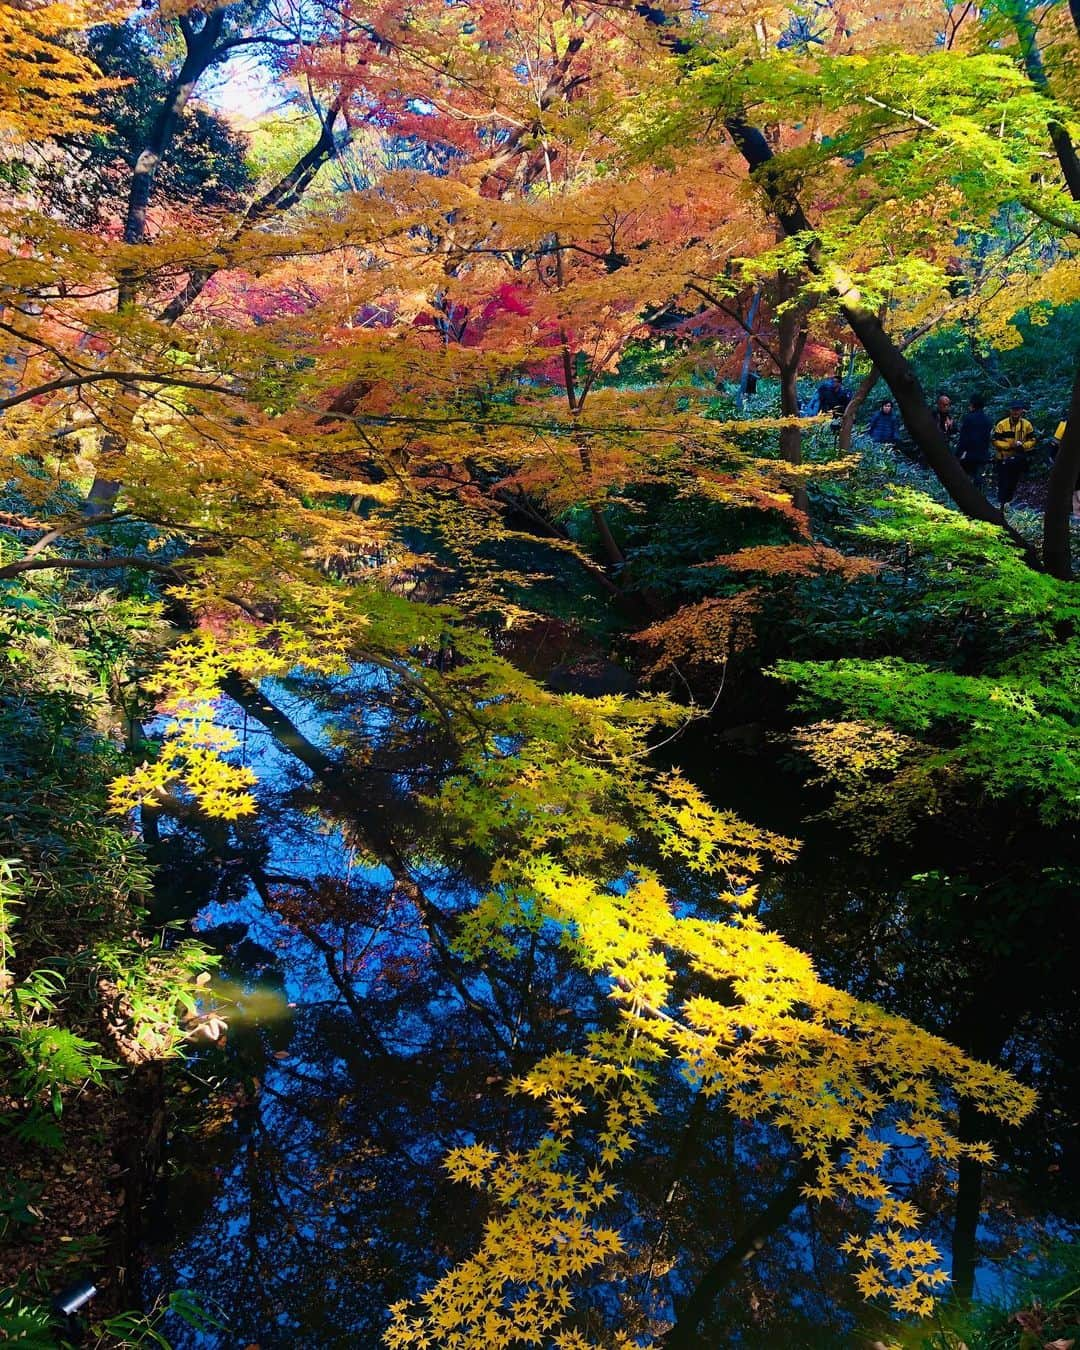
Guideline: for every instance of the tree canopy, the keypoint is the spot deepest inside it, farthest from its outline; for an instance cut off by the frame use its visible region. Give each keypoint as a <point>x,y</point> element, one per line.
<point>387,387</point>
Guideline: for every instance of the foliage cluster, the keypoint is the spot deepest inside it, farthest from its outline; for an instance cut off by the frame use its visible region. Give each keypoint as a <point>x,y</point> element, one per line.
<point>87,995</point>
<point>327,438</point>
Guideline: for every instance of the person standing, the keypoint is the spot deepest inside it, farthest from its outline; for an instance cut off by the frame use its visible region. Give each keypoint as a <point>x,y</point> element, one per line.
<point>973,442</point>
<point>943,416</point>
<point>1014,440</point>
<point>833,398</point>
<point>884,428</point>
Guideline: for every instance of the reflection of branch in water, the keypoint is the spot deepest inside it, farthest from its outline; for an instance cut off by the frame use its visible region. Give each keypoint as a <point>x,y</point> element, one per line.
<point>376,841</point>
<point>688,1142</point>
<point>684,1334</point>
<point>328,952</point>
<point>391,1142</point>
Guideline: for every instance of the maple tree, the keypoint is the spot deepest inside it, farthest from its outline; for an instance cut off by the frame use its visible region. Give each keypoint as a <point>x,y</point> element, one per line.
<point>285,416</point>
<point>887,132</point>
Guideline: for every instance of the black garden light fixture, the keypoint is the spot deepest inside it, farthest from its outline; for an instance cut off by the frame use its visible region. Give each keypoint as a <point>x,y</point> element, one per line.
<point>69,1303</point>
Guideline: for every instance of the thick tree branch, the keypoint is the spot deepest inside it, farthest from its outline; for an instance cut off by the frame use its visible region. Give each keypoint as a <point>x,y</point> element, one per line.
<point>893,367</point>
<point>119,560</point>
<point>1027,36</point>
<point>747,324</point>
<point>71,527</point>
<point>285,193</point>
<point>111,376</point>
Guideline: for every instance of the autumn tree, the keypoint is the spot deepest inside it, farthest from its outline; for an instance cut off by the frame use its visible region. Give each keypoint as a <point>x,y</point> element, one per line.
<point>280,477</point>
<point>878,133</point>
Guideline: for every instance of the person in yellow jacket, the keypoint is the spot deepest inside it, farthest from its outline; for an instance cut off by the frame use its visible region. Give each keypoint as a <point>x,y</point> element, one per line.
<point>1014,440</point>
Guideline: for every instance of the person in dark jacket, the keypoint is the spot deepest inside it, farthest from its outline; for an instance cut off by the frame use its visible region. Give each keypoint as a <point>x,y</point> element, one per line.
<point>884,427</point>
<point>832,396</point>
<point>973,443</point>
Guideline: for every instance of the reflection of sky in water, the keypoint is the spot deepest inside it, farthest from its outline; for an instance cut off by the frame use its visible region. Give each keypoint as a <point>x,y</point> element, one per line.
<point>253,1221</point>
<point>301,846</point>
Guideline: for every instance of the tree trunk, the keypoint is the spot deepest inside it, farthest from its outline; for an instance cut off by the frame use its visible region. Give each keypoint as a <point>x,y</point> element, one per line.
<point>791,437</point>
<point>1057,551</point>
<point>790,344</point>
<point>612,552</point>
<point>847,422</point>
<point>201,51</point>
<point>748,355</point>
<point>103,491</point>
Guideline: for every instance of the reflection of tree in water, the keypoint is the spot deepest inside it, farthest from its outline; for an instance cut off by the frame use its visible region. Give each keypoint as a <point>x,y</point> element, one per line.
<point>981,947</point>
<point>327,1196</point>
<point>325,1200</point>
<point>991,965</point>
<point>332,1202</point>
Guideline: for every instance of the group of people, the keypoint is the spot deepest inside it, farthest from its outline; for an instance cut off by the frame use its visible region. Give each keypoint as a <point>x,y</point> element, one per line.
<point>977,441</point>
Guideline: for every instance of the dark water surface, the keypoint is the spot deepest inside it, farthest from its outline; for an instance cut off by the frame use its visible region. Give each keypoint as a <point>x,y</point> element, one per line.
<point>304,1191</point>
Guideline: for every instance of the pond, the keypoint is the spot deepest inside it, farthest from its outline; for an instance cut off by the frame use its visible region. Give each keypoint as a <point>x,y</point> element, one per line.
<point>305,1191</point>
